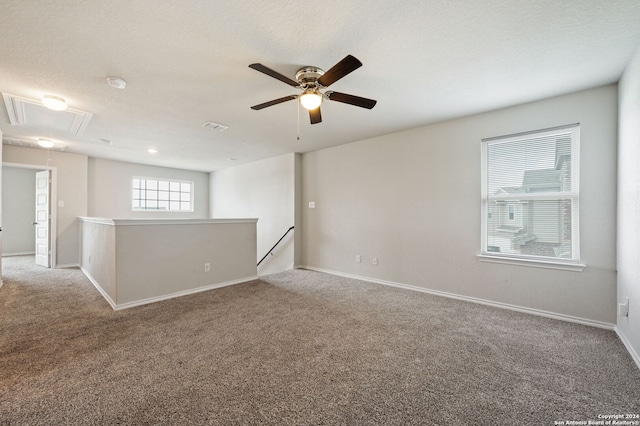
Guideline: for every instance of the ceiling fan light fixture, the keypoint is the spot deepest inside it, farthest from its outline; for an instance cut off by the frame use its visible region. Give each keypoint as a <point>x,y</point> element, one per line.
<point>310,99</point>
<point>55,103</point>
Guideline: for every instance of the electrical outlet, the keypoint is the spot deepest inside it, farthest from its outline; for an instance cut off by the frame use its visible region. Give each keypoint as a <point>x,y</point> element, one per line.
<point>207,267</point>
<point>358,258</point>
<point>374,261</point>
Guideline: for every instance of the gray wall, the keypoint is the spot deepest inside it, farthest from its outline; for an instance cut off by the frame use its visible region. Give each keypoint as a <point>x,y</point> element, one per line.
<point>96,187</point>
<point>1,281</point>
<point>98,257</point>
<point>71,190</point>
<point>412,199</point>
<point>629,205</point>
<point>162,259</point>
<point>266,190</point>
<point>110,190</point>
<point>18,210</point>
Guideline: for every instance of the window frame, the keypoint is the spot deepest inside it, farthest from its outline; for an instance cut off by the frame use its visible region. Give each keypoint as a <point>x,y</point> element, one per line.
<point>169,181</point>
<point>486,254</point>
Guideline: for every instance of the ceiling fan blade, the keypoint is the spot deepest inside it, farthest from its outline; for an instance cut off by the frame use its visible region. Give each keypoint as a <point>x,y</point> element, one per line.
<point>274,102</point>
<point>339,70</point>
<point>274,74</point>
<point>351,100</point>
<point>315,116</point>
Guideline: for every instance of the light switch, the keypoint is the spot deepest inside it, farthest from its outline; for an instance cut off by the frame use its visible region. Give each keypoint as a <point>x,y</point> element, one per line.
<point>60,203</point>
<point>312,204</point>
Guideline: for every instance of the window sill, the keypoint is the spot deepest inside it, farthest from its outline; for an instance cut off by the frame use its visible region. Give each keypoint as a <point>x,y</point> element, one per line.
<point>565,266</point>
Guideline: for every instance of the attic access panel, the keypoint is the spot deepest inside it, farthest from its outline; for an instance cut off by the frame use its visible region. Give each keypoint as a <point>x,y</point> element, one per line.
<point>31,113</point>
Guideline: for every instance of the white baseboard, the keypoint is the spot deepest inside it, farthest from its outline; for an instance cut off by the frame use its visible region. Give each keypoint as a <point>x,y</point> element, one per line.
<point>118,307</point>
<point>68,265</point>
<point>627,344</point>
<point>183,293</point>
<point>538,312</point>
<point>100,289</point>
<point>291,267</point>
<point>19,253</point>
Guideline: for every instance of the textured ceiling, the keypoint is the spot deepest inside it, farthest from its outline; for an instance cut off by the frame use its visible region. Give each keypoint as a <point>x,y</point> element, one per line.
<point>186,63</point>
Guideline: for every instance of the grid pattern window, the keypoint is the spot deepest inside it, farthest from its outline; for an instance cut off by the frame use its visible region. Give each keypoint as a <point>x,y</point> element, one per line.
<point>162,195</point>
<point>530,195</point>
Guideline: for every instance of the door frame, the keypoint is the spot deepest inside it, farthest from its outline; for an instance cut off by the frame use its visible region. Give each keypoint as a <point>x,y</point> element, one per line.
<point>53,202</point>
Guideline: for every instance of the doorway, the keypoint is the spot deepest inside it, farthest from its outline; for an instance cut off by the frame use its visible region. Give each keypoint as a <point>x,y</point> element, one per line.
<point>28,229</point>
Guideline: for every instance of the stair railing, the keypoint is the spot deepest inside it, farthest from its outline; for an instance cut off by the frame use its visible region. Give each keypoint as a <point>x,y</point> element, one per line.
<point>270,252</point>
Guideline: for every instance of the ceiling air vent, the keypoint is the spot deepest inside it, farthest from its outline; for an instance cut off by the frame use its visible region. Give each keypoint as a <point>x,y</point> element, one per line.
<point>215,126</point>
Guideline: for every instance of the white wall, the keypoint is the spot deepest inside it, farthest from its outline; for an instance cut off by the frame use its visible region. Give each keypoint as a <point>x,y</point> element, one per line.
<point>266,190</point>
<point>629,204</point>
<point>110,189</point>
<point>71,190</point>
<point>412,199</point>
<point>19,210</point>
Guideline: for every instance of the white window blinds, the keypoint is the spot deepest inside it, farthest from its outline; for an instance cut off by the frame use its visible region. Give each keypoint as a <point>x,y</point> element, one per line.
<point>530,195</point>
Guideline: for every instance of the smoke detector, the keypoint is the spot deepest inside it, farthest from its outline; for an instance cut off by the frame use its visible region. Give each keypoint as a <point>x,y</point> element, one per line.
<point>116,82</point>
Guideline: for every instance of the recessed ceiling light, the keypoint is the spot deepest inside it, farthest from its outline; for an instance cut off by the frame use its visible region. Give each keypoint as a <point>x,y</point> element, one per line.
<point>55,103</point>
<point>116,82</point>
<point>106,141</point>
<point>152,150</point>
<point>231,159</point>
<point>45,143</point>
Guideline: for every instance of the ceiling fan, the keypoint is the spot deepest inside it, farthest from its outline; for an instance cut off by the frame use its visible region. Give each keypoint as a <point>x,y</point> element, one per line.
<point>311,80</point>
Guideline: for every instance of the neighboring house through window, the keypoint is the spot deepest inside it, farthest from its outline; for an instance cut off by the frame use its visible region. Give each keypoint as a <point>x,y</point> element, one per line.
<point>161,194</point>
<point>530,195</point>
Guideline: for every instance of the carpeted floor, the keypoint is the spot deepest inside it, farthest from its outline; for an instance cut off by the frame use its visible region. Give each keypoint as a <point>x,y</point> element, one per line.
<point>299,348</point>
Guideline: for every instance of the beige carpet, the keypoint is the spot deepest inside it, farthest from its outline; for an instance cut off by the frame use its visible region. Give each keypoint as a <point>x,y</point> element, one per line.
<point>295,348</point>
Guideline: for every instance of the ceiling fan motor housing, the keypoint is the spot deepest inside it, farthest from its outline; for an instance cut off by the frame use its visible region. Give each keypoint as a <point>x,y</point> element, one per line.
<point>308,76</point>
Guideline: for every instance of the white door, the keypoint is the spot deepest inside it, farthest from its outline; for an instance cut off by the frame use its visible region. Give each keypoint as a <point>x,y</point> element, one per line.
<point>43,221</point>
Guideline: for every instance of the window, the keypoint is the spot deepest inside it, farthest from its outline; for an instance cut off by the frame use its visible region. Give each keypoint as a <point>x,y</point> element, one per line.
<point>530,197</point>
<point>162,194</point>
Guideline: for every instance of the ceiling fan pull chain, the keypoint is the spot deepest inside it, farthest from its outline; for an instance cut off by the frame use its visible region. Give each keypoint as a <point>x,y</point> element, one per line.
<point>298,120</point>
